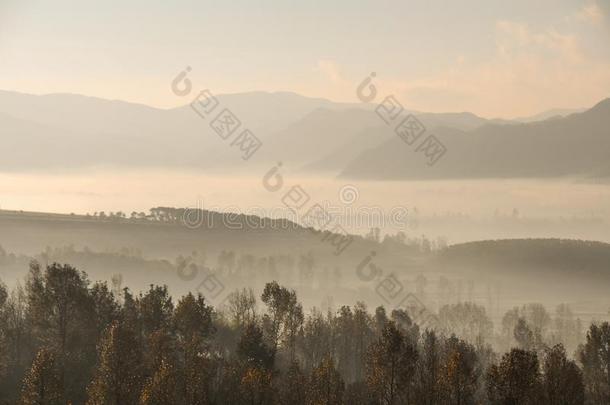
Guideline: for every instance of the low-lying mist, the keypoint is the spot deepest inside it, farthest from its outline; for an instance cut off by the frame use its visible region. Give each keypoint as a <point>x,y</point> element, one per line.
<point>457,210</point>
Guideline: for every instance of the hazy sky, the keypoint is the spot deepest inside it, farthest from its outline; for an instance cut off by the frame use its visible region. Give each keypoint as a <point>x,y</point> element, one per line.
<point>494,58</point>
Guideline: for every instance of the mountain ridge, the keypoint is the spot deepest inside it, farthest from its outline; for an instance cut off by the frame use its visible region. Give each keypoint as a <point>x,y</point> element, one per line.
<point>576,145</point>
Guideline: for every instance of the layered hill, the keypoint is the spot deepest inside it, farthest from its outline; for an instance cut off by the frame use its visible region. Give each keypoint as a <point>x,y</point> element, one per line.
<point>575,145</point>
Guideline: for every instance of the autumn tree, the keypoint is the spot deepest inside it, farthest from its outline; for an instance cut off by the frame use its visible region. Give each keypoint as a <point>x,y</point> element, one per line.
<point>61,312</point>
<point>467,320</point>
<point>292,325</point>
<point>344,341</point>
<point>193,325</point>
<point>282,305</point>
<point>17,348</point>
<point>42,384</point>
<point>256,385</point>
<point>162,387</point>
<point>15,328</point>
<point>4,356</point>
<point>160,347</point>
<point>150,352</point>
<point>562,379</point>
<point>363,336</point>
<point>567,327</point>
<point>242,307</point>
<point>380,320</point>
<point>105,306</point>
<point>57,299</point>
<point>516,380</point>
<point>429,370</point>
<point>326,387</point>
<point>357,393</point>
<point>594,355</point>
<point>391,367</point>
<point>118,377</point>
<point>459,372</point>
<point>292,386</point>
<point>523,335</point>
<point>316,340</point>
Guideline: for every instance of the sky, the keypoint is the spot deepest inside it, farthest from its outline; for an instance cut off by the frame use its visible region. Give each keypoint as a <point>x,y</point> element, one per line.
<point>493,58</point>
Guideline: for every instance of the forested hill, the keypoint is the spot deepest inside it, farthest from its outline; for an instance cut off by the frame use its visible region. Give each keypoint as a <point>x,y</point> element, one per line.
<point>564,255</point>
<point>166,232</point>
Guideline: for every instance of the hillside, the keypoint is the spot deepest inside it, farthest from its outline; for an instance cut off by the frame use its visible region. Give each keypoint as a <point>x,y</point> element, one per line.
<point>576,145</point>
<point>564,257</point>
<point>313,133</point>
<point>42,130</point>
<point>166,236</point>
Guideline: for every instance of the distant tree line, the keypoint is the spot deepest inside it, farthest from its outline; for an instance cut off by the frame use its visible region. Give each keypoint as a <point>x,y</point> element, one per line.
<point>65,340</point>
<point>565,256</point>
<point>197,218</point>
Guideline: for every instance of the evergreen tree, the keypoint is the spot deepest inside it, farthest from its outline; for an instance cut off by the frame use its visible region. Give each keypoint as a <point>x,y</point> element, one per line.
<point>193,318</point>
<point>155,309</point>
<point>252,349</point>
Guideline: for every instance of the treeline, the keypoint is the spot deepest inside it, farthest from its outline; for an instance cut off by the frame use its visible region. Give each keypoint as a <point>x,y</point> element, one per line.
<point>565,256</point>
<point>66,340</point>
<point>198,218</point>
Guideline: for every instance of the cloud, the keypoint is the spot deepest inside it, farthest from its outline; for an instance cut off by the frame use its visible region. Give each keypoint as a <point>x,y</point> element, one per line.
<point>330,82</point>
<point>593,13</point>
<point>514,38</point>
<point>331,70</point>
<point>530,70</point>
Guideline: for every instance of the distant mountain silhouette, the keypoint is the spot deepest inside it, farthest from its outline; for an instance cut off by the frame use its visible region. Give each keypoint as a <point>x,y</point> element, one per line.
<point>550,114</point>
<point>260,111</point>
<point>72,131</point>
<point>576,145</point>
<point>327,140</point>
<point>68,130</point>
